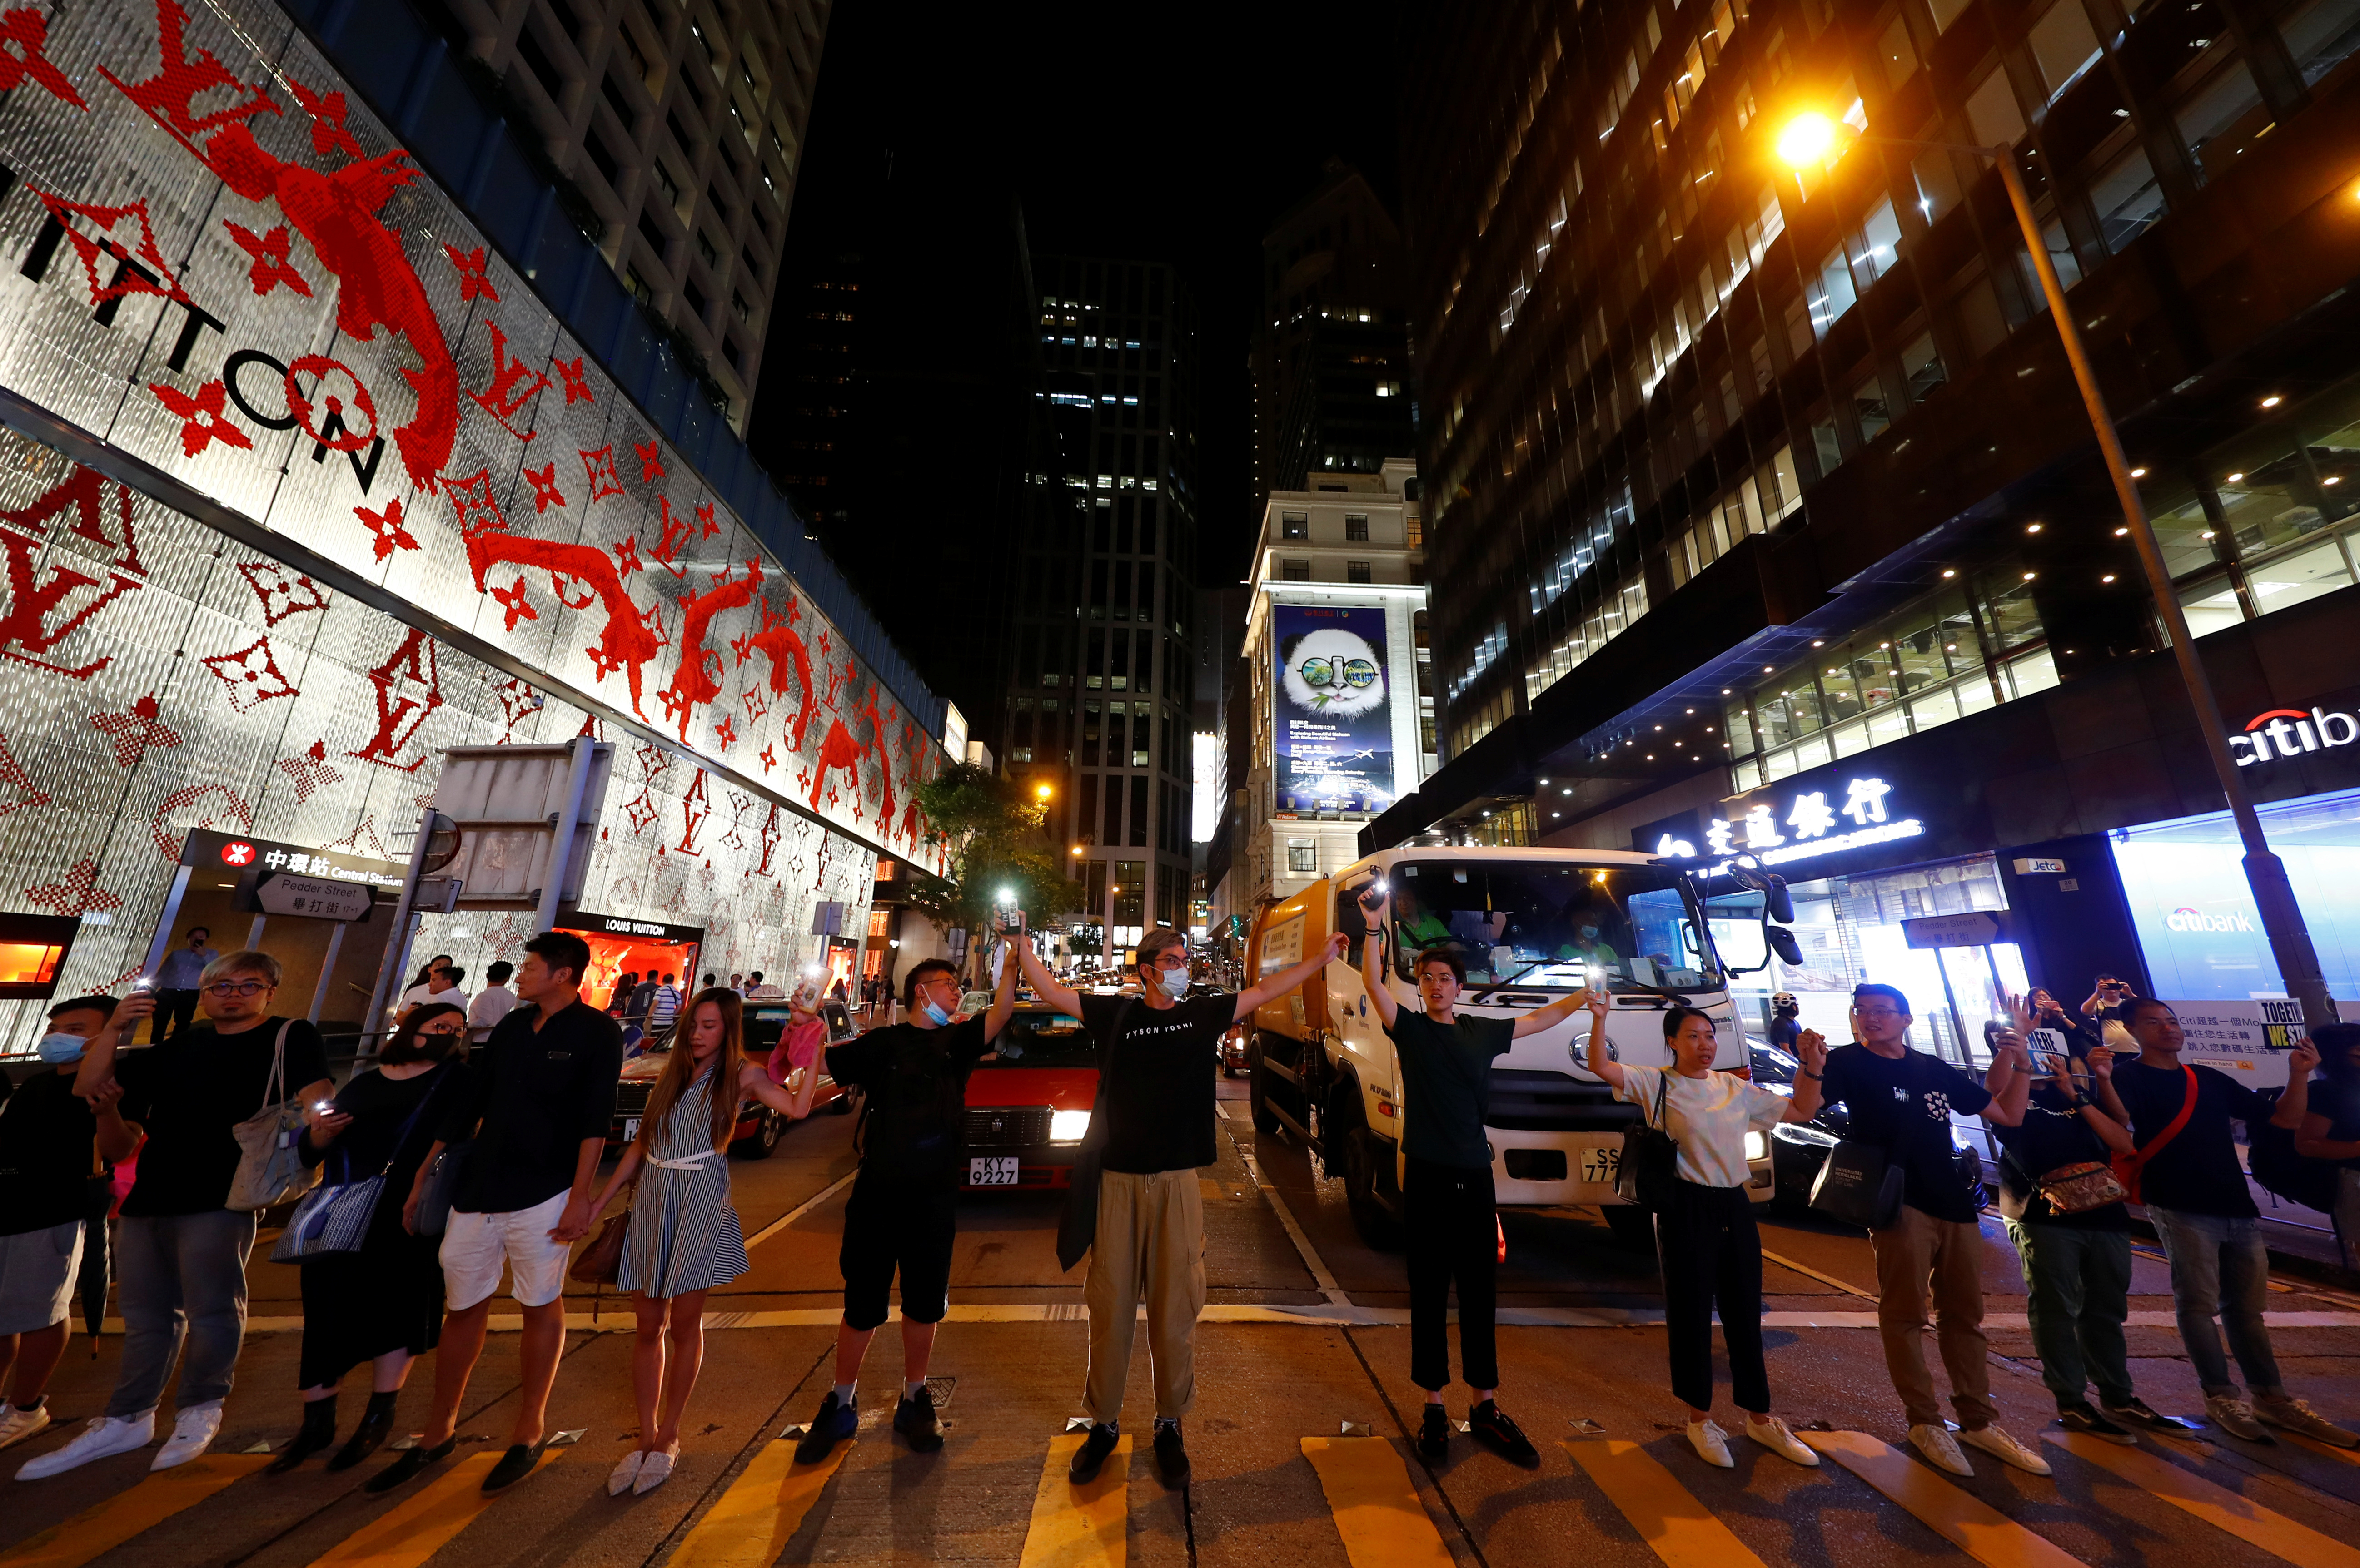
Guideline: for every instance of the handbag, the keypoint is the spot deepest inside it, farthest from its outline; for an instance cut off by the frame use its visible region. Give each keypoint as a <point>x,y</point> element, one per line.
<point>270,1169</point>
<point>1078,1227</point>
<point>2129,1167</point>
<point>1649,1172</point>
<point>601,1262</point>
<point>334,1219</point>
<point>1859,1185</point>
<point>443,1180</point>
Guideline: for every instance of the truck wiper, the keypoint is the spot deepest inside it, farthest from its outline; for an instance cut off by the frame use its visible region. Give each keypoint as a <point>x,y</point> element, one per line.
<point>1503,985</point>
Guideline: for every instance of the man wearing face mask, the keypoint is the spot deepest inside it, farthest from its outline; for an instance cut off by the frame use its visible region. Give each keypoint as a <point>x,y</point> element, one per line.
<point>49,1154</point>
<point>1587,925</point>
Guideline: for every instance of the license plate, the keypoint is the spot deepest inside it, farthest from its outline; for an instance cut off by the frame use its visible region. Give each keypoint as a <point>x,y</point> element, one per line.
<point>1600,1161</point>
<point>993,1171</point>
<point>631,1128</point>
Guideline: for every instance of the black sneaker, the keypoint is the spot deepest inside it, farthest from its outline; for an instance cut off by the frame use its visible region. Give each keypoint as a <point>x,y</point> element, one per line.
<point>1091,1456</point>
<point>1434,1434</point>
<point>1171,1454</point>
<point>835,1421</point>
<point>914,1419</point>
<point>1489,1422</point>
<point>515,1464</point>
<point>2135,1409</point>
<point>408,1463</point>
<point>2081,1417</point>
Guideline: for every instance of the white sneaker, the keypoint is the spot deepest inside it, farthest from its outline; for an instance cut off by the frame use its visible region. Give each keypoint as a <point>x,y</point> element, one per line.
<point>1772,1433</point>
<point>2001,1446</point>
<point>17,1425</point>
<point>102,1438</point>
<point>1941,1449</point>
<point>1710,1442</point>
<point>193,1430</point>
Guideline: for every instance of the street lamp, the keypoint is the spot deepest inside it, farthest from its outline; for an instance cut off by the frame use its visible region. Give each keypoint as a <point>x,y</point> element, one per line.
<point>1044,791</point>
<point>1812,138</point>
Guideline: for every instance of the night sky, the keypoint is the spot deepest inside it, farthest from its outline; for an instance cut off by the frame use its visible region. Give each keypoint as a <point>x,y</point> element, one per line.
<point>1169,133</point>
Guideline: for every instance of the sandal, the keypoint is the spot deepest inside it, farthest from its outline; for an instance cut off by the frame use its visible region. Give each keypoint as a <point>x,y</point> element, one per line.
<point>655,1469</point>
<point>626,1471</point>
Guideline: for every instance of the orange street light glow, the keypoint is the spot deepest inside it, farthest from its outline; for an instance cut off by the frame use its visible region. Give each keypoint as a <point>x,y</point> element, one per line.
<point>1808,139</point>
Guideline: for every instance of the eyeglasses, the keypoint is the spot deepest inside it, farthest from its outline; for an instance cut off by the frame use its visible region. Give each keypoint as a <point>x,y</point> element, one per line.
<point>1323,672</point>
<point>1879,1013</point>
<point>239,988</point>
<point>452,1027</point>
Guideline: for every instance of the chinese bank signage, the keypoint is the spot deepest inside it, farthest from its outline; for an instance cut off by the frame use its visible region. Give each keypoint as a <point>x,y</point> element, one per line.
<point>1334,716</point>
<point>1776,827</point>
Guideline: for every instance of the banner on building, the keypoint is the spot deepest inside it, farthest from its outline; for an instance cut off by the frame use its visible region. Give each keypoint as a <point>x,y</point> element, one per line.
<point>1334,720</point>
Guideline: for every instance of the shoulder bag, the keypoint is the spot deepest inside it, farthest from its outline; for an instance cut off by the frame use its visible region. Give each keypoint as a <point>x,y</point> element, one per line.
<point>270,1169</point>
<point>336,1218</point>
<point>1859,1184</point>
<point>2127,1167</point>
<point>1078,1227</point>
<point>1649,1172</point>
<point>601,1262</point>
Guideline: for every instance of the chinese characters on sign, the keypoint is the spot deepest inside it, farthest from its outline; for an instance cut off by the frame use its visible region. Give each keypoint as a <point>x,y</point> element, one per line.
<point>1812,824</point>
<point>2247,1040</point>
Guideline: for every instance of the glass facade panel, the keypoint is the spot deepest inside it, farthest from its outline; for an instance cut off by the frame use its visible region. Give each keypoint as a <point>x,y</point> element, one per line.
<point>2186,536</point>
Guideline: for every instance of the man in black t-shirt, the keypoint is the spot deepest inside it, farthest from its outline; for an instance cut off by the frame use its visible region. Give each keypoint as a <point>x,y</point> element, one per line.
<point>2195,1189</point>
<point>1162,1054</point>
<point>1902,1100</point>
<point>903,1210</point>
<point>181,1249</point>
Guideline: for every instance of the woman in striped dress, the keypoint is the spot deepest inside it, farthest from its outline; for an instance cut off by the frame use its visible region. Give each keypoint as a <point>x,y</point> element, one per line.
<point>684,1237</point>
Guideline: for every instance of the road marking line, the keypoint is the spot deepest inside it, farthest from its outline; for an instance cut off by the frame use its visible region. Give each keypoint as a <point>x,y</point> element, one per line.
<point>1981,1531</point>
<point>428,1519</point>
<point>800,1210</point>
<point>105,1526</point>
<point>1809,1273</point>
<point>1676,1527</point>
<point>2214,1504</point>
<point>1375,1507</point>
<point>1295,1233</point>
<point>761,1512</point>
<point>2349,1455</point>
<point>1079,1527</point>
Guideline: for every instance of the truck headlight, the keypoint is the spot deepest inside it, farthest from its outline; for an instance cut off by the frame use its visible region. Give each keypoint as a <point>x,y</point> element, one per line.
<point>1068,1126</point>
<point>1756,1146</point>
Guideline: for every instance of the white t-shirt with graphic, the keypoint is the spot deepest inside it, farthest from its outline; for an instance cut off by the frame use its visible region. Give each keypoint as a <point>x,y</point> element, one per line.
<point>1707,1117</point>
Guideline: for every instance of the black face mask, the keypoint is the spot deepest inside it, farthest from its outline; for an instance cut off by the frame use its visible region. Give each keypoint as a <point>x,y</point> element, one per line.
<point>416,1048</point>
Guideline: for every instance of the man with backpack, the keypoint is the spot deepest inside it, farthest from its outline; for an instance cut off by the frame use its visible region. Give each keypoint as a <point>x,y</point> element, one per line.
<point>903,1212</point>
<point>2186,1173</point>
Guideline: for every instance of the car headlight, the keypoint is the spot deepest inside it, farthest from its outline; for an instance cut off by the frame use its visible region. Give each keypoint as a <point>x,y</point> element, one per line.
<point>1803,1132</point>
<point>1068,1126</point>
<point>1756,1146</point>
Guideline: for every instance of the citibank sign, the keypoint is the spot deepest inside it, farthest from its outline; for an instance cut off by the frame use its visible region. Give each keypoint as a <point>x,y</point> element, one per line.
<point>2290,732</point>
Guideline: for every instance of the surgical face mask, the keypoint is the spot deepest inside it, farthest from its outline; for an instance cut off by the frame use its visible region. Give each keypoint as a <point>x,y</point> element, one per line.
<point>1589,933</point>
<point>941,1019</point>
<point>1171,982</point>
<point>58,1050</point>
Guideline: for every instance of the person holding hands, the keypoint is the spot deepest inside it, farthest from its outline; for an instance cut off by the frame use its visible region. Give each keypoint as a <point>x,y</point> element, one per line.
<point>1707,1241</point>
<point>1448,1203</point>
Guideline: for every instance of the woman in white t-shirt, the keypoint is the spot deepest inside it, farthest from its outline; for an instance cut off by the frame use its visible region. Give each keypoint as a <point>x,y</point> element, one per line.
<point>1710,1251</point>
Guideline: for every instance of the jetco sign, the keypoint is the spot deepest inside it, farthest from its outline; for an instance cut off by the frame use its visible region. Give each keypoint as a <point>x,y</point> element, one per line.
<point>2290,732</point>
<point>1808,823</point>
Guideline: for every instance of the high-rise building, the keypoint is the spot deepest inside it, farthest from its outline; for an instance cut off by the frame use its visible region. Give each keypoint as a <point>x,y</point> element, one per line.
<point>678,131</point>
<point>1100,673</point>
<point>1765,518</point>
<point>1330,352</point>
<point>818,453</point>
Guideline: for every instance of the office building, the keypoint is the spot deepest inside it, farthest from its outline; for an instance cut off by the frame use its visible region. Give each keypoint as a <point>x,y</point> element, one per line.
<point>1766,517</point>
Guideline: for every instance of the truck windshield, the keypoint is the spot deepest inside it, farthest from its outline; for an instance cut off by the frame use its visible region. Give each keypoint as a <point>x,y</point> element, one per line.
<point>1553,925</point>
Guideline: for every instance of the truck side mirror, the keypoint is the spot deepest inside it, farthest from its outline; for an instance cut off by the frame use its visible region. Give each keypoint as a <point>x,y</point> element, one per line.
<point>1779,904</point>
<point>1782,942</point>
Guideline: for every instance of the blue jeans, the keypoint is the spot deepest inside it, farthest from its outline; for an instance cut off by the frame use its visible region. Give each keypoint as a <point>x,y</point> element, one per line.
<point>181,1277</point>
<point>2218,1264</point>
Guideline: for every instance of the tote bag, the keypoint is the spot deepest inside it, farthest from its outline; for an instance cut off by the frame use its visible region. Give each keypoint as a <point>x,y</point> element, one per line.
<point>336,1218</point>
<point>1648,1171</point>
<point>1858,1185</point>
<point>270,1169</point>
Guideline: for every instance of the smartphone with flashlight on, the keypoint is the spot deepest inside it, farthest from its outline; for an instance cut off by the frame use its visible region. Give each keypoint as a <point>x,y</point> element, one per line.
<point>1006,921</point>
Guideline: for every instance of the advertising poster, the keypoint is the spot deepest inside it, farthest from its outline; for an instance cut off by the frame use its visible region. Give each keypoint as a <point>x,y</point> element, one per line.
<point>1335,722</point>
<point>2248,1041</point>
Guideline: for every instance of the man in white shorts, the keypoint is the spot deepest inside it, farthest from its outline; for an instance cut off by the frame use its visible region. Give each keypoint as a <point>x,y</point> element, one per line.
<point>542,1097</point>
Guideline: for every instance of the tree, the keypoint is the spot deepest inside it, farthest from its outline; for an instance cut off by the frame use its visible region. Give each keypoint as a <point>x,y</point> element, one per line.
<point>995,842</point>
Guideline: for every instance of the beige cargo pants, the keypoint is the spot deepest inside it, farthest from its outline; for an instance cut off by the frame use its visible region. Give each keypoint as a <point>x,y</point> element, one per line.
<point>1150,1245</point>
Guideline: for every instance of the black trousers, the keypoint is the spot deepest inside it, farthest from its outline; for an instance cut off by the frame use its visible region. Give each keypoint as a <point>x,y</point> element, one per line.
<point>1711,1253</point>
<point>1454,1239</point>
<point>176,1013</point>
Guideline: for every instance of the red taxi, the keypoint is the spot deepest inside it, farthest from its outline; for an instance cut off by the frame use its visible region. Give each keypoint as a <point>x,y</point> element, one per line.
<point>1028,1103</point>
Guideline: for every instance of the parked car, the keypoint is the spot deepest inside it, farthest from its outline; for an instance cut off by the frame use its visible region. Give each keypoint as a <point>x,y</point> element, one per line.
<point>1798,1150</point>
<point>1028,1103</point>
<point>759,1127</point>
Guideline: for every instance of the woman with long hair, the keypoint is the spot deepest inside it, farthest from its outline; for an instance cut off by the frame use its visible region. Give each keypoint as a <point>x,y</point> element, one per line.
<point>685,1237</point>
<point>382,1305</point>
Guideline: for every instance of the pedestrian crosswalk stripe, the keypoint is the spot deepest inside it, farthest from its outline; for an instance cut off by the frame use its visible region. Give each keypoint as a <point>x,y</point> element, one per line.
<point>1677,1527</point>
<point>1376,1508</point>
<point>1079,1527</point>
<point>105,1526</point>
<point>426,1520</point>
<point>1981,1531</point>
<point>2349,1455</point>
<point>2216,1505</point>
<point>761,1511</point>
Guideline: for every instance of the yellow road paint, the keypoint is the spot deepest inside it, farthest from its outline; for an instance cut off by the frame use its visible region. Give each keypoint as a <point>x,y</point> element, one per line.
<point>761,1511</point>
<point>2216,1505</point>
<point>107,1525</point>
<point>1676,1527</point>
<point>2349,1455</point>
<point>1079,1527</point>
<point>426,1520</point>
<point>1376,1508</point>
<point>1981,1533</point>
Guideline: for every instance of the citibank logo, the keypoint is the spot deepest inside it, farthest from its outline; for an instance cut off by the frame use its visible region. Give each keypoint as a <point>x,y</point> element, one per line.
<point>2290,732</point>
<point>2187,919</point>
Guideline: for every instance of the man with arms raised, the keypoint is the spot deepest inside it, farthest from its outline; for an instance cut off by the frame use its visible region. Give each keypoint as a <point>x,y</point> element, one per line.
<point>1162,1054</point>
<point>1447,1201</point>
